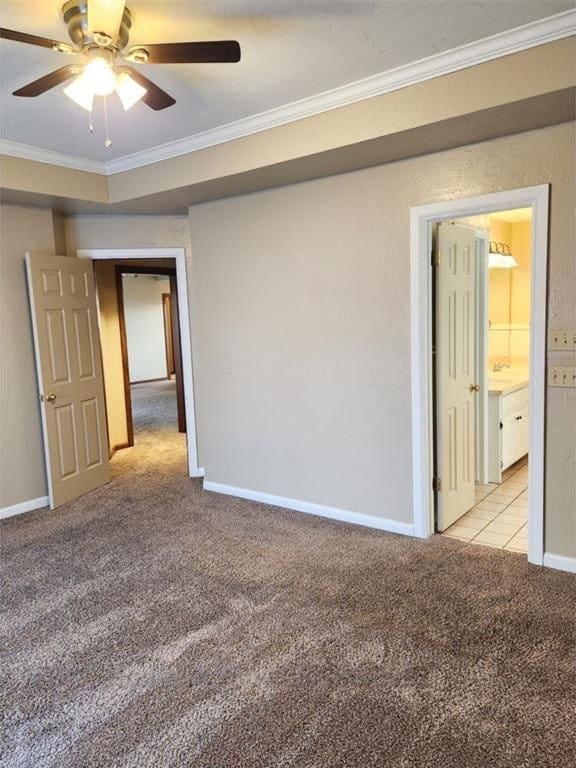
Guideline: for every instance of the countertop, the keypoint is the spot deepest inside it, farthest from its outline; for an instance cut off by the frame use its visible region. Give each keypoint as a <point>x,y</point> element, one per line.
<point>508,382</point>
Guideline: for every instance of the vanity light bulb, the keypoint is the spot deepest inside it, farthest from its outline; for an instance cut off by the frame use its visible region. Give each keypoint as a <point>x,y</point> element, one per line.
<point>99,77</point>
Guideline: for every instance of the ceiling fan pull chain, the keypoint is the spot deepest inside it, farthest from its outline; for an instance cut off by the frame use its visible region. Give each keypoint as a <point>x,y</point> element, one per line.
<point>90,122</point>
<point>108,142</point>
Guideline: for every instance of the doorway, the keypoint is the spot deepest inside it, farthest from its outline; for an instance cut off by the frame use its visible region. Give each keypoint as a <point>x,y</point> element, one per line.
<point>154,264</point>
<point>423,334</point>
<point>481,367</point>
<point>150,346</point>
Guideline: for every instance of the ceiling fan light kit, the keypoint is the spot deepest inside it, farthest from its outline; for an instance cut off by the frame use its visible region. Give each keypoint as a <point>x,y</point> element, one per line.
<point>100,30</point>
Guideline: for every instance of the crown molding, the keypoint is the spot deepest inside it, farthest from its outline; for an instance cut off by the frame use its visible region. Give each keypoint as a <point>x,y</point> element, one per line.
<point>530,35</point>
<point>49,156</point>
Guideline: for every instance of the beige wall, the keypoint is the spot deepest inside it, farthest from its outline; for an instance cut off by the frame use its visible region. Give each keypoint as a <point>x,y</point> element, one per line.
<point>509,296</point>
<point>499,279</point>
<point>520,278</point>
<point>22,475</point>
<point>144,315</point>
<point>303,348</point>
<point>109,325</point>
<point>301,341</point>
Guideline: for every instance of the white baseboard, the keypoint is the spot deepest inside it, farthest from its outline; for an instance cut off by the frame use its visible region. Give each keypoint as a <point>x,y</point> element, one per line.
<point>24,506</point>
<point>334,513</point>
<point>560,562</point>
<point>198,472</point>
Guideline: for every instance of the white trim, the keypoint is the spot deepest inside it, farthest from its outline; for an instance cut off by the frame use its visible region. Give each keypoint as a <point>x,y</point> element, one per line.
<point>179,254</point>
<point>421,220</point>
<point>560,562</point>
<point>51,157</point>
<point>334,513</point>
<point>24,506</point>
<point>39,379</point>
<point>496,46</point>
<point>482,239</point>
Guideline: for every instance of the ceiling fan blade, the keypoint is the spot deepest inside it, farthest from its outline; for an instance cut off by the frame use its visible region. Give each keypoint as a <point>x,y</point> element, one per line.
<point>154,97</point>
<point>48,81</point>
<point>43,42</point>
<point>105,16</point>
<point>217,51</point>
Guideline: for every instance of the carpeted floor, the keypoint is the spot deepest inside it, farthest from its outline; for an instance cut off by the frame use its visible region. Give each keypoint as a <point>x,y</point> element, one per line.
<point>151,624</point>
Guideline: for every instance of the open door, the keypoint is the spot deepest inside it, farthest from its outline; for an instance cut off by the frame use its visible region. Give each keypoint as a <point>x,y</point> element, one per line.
<point>455,371</point>
<point>68,363</point>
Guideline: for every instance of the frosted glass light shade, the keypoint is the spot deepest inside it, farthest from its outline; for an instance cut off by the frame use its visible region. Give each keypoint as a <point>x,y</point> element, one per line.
<point>80,93</point>
<point>128,90</point>
<point>501,261</point>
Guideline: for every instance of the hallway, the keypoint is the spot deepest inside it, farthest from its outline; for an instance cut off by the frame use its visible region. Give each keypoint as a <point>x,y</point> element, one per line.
<point>157,441</point>
<point>154,409</point>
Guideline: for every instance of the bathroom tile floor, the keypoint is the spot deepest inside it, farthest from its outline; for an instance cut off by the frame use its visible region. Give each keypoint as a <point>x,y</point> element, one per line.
<point>500,517</point>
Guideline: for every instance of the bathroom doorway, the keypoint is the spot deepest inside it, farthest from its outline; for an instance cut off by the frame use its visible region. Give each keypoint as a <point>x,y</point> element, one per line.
<point>428,484</point>
<point>481,362</point>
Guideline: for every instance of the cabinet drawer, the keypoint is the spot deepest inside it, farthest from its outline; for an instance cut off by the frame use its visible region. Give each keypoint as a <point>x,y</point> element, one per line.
<point>514,400</point>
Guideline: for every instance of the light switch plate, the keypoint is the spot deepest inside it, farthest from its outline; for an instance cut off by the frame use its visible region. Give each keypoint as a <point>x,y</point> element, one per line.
<point>562,338</point>
<point>562,376</point>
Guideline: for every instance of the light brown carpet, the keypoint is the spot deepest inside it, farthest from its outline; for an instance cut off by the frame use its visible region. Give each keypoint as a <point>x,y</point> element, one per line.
<point>151,624</point>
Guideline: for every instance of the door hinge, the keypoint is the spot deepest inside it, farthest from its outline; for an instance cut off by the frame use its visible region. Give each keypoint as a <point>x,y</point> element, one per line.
<point>436,484</point>
<point>435,258</point>
<point>41,398</point>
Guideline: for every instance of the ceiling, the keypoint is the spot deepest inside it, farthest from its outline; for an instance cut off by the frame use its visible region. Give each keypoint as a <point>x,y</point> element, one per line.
<point>292,49</point>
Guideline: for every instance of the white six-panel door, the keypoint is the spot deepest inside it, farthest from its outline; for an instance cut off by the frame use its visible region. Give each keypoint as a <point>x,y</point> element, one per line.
<point>455,371</point>
<point>69,368</point>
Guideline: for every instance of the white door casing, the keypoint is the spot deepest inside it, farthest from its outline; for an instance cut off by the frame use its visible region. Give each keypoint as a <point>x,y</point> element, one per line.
<point>179,256</point>
<point>422,219</point>
<point>69,370</point>
<point>455,371</point>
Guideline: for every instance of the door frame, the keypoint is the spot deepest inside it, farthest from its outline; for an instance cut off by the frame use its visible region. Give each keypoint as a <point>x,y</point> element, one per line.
<point>168,338</point>
<point>422,219</point>
<point>170,273</point>
<point>179,256</point>
<point>482,248</point>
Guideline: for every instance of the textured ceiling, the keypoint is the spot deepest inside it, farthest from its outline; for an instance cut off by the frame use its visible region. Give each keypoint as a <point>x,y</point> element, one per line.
<point>291,49</point>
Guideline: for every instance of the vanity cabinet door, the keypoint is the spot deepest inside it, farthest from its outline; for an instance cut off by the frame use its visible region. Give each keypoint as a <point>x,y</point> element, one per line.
<point>515,436</point>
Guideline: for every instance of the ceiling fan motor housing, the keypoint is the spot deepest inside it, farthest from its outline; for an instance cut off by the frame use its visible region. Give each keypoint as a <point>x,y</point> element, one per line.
<point>75,15</point>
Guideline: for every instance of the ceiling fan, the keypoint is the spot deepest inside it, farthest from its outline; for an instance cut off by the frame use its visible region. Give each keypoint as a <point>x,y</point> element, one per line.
<point>99,30</point>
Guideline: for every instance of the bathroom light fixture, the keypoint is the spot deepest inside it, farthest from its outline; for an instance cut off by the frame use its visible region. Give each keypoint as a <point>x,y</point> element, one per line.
<point>500,257</point>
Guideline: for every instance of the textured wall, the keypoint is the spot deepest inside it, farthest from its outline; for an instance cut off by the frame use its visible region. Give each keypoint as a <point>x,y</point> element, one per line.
<point>22,475</point>
<point>303,350</point>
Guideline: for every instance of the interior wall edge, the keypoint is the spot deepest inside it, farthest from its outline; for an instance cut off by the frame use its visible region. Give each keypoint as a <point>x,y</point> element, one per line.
<point>311,508</point>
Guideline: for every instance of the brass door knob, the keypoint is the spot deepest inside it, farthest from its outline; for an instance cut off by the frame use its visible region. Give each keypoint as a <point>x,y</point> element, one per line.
<point>474,387</point>
<point>51,398</point>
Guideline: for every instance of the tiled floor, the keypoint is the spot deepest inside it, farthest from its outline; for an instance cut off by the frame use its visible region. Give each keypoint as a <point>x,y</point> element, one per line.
<point>500,517</point>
